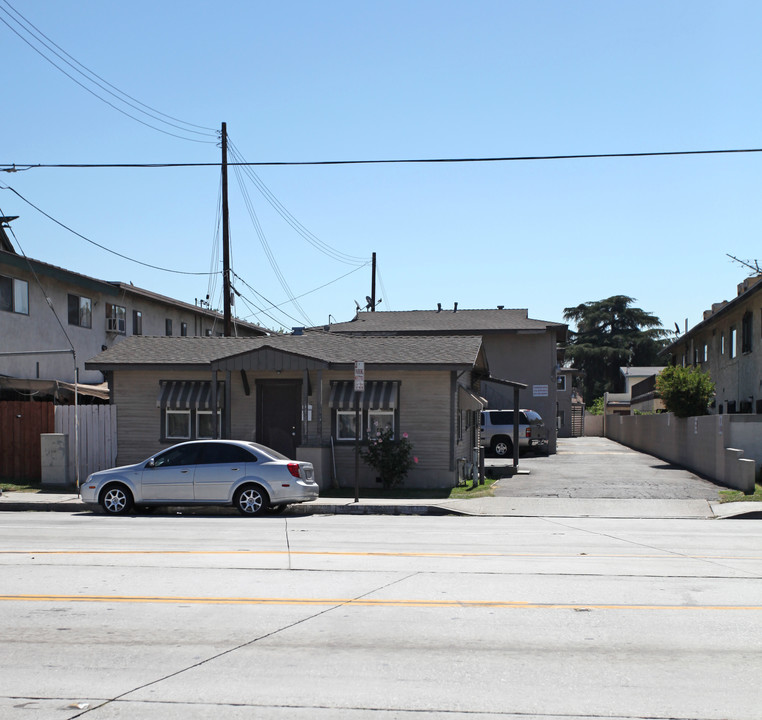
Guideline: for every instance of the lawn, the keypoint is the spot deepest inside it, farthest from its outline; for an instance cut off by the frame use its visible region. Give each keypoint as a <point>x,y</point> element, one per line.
<point>737,496</point>
<point>457,493</point>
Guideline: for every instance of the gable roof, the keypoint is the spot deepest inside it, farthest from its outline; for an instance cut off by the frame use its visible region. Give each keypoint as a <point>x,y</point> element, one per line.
<point>453,321</point>
<point>325,349</point>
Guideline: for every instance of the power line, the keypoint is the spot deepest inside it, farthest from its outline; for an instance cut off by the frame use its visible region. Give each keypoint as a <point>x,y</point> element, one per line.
<point>18,167</point>
<point>92,242</point>
<point>40,39</point>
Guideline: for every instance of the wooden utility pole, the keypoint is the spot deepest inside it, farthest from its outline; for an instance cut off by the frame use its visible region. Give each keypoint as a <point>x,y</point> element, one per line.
<point>228,325</point>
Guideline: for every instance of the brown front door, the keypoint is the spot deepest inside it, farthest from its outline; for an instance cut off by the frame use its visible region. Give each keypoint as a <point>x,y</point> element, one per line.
<point>279,415</point>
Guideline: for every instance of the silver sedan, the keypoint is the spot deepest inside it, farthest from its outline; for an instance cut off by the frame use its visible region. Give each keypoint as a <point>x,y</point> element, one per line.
<point>251,477</point>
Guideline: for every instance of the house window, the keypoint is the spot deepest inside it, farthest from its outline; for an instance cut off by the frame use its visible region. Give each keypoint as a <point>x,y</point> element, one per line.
<point>561,383</point>
<point>184,329</point>
<point>205,423</point>
<point>732,343</point>
<point>168,327</point>
<point>137,322</point>
<point>14,295</point>
<point>177,424</point>
<point>346,425</point>
<point>706,352</point>
<point>722,344</point>
<point>377,404</point>
<point>746,332</point>
<point>80,311</point>
<point>186,410</point>
<point>379,420</point>
<point>116,319</point>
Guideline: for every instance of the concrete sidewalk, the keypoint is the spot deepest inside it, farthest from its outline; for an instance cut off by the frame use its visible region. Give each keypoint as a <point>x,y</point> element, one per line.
<point>478,507</point>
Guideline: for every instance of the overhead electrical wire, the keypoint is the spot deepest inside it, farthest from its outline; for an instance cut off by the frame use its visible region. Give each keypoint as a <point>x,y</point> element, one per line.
<point>92,242</point>
<point>266,247</point>
<point>310,237</point>
<point>36,40</point>
<point>19,167</point>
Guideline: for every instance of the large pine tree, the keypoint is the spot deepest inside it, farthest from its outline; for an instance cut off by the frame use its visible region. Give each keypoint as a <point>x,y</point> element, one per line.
<point>611,334</point>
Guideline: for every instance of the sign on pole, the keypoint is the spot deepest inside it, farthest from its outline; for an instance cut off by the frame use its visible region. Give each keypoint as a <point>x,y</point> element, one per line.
<point>359,376</point>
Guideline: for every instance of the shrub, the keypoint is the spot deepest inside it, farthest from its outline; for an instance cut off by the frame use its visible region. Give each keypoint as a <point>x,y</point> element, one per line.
<point>686,391</point>
<point>391,458</point>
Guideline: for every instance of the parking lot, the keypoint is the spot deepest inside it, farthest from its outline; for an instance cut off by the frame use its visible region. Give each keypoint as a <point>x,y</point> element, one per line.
<point>595,467</point>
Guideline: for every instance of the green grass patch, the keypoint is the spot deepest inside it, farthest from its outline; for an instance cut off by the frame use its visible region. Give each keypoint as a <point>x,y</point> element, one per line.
<point>20,486</point>
<point>737,496</point>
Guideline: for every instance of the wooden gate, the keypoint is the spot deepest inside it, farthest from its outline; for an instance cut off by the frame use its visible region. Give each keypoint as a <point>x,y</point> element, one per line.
<point>21,424</point>
<point>578,420</point>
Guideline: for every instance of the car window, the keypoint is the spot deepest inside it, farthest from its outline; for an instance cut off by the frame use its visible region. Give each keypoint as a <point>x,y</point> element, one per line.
<point>533,418</point>
<point>502,417</point>
<point>222,453</point>
<point>179,455</point>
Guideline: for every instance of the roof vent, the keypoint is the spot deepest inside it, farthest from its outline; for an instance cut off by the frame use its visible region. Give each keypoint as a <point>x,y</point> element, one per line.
<point>455,308</point>
<point>439,307</point>
<point>501,307</point>
<point>297,330</point>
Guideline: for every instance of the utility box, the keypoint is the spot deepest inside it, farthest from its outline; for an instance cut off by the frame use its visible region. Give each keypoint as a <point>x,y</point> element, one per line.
<point>54,459</point>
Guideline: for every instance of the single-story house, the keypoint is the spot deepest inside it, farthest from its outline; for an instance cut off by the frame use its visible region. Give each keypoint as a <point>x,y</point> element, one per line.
<point>295,393</point>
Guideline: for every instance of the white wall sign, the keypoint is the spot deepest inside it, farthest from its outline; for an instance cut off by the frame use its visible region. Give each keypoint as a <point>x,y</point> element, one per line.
<point>359,377</point>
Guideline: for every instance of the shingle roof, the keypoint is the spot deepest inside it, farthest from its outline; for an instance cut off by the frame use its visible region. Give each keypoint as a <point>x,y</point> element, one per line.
<point>443,321</point>
<point>335,349</point>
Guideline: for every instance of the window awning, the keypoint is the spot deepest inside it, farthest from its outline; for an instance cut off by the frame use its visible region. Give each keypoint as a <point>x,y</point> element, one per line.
<point>469,400</point>
<point>187,394</point>
<point>378,395</point>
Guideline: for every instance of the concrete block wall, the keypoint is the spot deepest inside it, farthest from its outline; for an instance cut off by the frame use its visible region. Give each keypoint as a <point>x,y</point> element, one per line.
<point>725,448</point>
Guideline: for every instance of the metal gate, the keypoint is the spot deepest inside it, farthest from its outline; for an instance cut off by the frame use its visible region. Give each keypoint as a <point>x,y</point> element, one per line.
<point>577,420</point>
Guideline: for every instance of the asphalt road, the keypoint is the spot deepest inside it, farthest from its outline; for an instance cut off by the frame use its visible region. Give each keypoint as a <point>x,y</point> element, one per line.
<point>379,617</point>
<point>592,467</point>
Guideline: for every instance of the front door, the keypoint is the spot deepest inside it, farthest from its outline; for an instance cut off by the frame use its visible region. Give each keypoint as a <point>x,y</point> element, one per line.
<point>279,415</point>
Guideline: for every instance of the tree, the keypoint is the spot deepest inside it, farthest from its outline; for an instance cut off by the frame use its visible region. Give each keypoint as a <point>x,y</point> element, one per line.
<point>685,391</point>
<point>611,334</point>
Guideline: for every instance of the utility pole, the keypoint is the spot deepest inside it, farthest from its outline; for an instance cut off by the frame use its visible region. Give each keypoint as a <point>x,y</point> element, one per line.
<point>228,325</point>
<point>373,286</point>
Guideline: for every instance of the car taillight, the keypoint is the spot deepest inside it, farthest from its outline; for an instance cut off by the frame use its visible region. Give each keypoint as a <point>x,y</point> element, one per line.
<point>293,468</point>
<point>528,432</point>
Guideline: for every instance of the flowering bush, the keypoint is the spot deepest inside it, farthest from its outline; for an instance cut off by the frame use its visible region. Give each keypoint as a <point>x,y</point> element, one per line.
<point>391,458</point>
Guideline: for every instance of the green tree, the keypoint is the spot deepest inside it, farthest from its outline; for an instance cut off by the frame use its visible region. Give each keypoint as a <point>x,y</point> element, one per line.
<point>685,391</point>
<point>611,334</point>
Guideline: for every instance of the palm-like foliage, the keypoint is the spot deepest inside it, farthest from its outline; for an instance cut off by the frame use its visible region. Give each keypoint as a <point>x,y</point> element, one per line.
<point>611,334</point>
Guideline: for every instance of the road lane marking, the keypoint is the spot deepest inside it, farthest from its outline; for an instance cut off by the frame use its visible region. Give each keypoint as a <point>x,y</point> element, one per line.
<point>359,602</point>
<point>665,555</point>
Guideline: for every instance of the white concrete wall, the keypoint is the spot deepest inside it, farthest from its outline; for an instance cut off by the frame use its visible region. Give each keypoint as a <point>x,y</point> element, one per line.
<point>725,448</point>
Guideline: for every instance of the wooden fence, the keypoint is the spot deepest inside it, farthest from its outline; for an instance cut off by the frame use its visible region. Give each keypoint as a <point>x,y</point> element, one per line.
<point>97,437</point>
<point>21,424</point>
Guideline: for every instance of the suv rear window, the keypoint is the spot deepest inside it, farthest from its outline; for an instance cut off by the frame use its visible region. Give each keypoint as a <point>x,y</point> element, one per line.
<point>502,417</point>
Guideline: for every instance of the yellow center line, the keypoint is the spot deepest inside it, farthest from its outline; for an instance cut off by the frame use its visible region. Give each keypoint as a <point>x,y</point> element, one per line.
<point>360,602</point>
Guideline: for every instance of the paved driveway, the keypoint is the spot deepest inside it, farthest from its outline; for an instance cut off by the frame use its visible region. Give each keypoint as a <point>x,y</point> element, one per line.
<point>593,467</point>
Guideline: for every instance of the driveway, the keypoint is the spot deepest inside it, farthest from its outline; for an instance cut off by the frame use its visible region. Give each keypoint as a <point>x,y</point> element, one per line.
<point>594,467</point>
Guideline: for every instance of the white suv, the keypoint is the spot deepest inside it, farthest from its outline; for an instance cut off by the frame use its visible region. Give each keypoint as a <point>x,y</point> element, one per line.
<point>497,431</point>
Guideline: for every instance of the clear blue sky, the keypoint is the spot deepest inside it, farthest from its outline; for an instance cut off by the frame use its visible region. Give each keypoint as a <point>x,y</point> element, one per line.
<point>357,80</point>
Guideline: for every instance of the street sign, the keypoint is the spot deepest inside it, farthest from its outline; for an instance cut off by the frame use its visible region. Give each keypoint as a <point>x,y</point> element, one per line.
<point>359,377</point>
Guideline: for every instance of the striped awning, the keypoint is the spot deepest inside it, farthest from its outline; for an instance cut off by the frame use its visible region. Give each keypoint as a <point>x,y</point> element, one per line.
<point>378,395</point>
<point>188,394</point>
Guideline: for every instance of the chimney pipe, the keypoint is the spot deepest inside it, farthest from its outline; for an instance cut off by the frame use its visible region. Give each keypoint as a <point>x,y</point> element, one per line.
<point>439,307</point>
<point>455,308</point>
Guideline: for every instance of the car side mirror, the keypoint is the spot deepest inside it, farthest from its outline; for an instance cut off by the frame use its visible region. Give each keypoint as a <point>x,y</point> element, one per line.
<point>151,463</point>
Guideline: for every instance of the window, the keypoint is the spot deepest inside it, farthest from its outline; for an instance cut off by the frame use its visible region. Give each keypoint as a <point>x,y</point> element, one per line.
<point>80,311</point>
<point>177,425</point>
<point>746,332</point>
<point>14,295</point>
<point>732,344</point>
<point>561,383</point>
<point>346,427</point>
<point>116,319</point>
<point>205,423</point>
<point>184,329</point>
<point>706,353</point>
<point>137,322</point>
<point>380,420</point>
<point>722,344</point>
<point>168,327</point>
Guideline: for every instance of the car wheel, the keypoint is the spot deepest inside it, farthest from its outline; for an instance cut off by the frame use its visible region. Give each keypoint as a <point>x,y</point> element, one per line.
<point>116,500</point>
<point>502,448</point>
<point>252,500</point>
